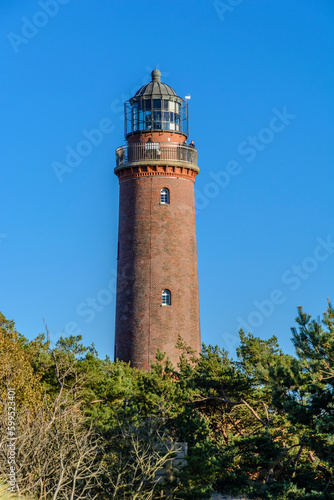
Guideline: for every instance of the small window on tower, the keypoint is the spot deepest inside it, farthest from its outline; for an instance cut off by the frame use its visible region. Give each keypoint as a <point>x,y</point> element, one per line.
<point>166,298</point>
<point>164,196</point>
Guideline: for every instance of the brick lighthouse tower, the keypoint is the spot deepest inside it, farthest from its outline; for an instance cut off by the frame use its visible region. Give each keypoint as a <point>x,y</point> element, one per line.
<point>157,278</point>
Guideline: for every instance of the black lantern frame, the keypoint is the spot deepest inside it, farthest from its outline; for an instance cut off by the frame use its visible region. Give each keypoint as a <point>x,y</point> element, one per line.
<point>156,114</point>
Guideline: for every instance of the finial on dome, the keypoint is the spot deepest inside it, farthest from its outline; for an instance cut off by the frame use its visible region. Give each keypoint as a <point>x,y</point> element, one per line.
<point>155,75</point>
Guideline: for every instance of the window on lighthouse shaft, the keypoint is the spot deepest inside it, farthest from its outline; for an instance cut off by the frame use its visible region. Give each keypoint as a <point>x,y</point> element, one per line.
<point>164,196</point>
<point>166,298</point>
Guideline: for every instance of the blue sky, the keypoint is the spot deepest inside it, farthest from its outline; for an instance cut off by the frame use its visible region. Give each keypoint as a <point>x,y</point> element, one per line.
<point>260,76</point>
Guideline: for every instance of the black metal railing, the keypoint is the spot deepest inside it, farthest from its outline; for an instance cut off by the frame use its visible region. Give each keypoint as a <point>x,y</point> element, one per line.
<point>151,151</point>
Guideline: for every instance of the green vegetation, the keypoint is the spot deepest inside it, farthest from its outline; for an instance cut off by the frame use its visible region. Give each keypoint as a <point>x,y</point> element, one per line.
<point>260,426</point>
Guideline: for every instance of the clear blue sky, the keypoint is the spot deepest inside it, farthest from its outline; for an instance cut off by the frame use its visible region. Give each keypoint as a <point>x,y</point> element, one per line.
<point>260,76</point>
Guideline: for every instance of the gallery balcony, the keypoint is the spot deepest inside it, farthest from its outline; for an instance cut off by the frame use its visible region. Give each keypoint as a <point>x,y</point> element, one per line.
<point>155,154</point>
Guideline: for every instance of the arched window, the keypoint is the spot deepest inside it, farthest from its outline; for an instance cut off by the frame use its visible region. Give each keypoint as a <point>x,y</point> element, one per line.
<point>166,298</point>
<point>164,196</point>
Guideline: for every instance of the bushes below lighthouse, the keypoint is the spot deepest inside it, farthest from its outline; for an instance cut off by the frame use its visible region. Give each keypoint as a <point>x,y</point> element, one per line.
<point>258,426</point>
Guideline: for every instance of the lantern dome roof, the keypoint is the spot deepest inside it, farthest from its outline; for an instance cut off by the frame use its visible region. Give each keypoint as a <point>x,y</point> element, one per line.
<point>155,89</point>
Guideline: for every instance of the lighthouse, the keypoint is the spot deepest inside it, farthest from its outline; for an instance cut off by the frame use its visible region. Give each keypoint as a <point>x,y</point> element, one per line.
<point>157,275</point>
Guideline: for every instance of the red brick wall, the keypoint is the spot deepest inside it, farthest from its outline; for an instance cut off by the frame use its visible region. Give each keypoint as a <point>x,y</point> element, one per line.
<point>157,250</point>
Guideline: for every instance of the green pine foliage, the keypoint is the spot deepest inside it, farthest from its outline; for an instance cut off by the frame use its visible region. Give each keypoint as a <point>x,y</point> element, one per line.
<point>259,426</point>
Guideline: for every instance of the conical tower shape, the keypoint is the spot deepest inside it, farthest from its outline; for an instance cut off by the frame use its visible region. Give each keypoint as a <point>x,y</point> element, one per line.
<point>157,277</point>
